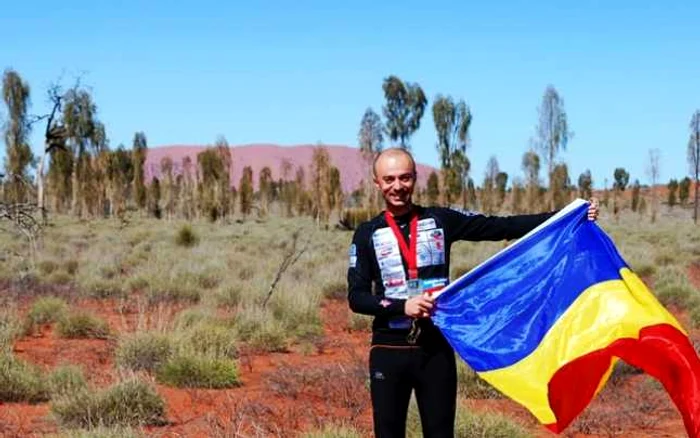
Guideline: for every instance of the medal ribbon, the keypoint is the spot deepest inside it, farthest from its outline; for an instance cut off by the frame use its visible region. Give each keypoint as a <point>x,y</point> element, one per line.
<point>408,251</point>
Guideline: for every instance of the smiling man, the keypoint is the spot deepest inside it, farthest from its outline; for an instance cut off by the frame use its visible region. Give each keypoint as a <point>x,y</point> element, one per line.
<point>396,260</point>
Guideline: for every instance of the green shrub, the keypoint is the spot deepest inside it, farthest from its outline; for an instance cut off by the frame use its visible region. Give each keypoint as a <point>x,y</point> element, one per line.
<point>71,266</point>
<point>229,296</point>
<point>46,267</point>
<point>353,217</point>
<point>66,379</point>
<point>192,316</point>
<point>191,371</point>
<point>101,432</point>
<point>261,331</point>
<point>673,288</point>
<point>695,316</point>
<point>491,425</point>
<point>173,292</point>
<point>103,288</point>
<point>186,236</point>
<point>60,278</point>
<point>333,431</point>
<point>144,351</point>
<point>358,322</point>
<point>132,402</point>
<point>336,291</point>
<point>45,310</point>
<point>82,325</point>
<point>214,341</point>
<point>21,381</point>
<point>470,385</point>
<point>10,329</point>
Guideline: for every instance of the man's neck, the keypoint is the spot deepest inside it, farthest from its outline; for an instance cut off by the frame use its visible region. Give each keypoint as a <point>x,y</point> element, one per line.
<point>399,211</point>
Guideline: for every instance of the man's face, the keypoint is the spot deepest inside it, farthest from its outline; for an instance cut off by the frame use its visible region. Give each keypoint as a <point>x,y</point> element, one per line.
<point>396,178</point>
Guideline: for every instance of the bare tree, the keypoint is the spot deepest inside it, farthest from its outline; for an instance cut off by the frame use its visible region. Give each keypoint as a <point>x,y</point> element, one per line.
<point>54,139</point>
<point>653,173</point>
<point>694,157</point>
<point>552,131</point>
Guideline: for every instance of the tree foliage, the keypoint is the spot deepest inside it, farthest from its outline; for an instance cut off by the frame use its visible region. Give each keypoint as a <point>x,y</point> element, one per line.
<point>403,110</point>
<point>18,156</point>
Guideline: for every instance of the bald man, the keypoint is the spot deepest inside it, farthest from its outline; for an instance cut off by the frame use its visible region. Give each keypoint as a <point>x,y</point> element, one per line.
<point>404,253</point>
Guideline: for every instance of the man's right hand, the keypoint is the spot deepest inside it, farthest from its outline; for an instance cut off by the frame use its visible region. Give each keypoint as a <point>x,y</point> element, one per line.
<point>420,306</point>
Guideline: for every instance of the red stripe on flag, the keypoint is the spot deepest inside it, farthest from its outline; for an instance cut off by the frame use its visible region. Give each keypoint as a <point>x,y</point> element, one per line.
<point>661,351</point>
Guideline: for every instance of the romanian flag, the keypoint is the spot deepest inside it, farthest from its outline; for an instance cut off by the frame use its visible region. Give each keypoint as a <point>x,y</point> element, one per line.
<point>545,320</point>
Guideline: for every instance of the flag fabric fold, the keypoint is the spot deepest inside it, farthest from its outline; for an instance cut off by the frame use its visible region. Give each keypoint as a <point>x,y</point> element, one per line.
<point>545,320</point>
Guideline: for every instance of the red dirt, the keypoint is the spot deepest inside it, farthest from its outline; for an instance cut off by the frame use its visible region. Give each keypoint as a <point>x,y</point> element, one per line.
<point>281,393</point>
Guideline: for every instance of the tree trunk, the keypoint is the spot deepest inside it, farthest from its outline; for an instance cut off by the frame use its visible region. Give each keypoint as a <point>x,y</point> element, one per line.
<point>40,186</point>
<point>695,212</point>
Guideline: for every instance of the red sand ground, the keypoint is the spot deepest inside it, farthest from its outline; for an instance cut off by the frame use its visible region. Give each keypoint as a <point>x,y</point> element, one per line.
<point>281,393</point>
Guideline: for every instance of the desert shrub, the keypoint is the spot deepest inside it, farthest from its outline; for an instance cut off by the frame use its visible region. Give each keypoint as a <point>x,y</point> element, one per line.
<point>353,217</point>
<point>59,277</point>
<point>144,351</point>
<point>10,328</point>
<point>66,379</point>
<point>97,287</point>
<point>470,385</point>
<point>82,325</point>
<point>193,371</point>
<point>336,290</point>
<point>131,402</point>
<point>695,316</point>
<point>21,381</point>
<point>172,291</point>
<point>100,432</point>
<point>469,424</point>
<point>261,331</point>
<point>334,431</point>
<point>476,425</point>
<point>45,310</point>
<point>229,296</point>
<point>672,287</point>
<point>71,266</point>
<point>46,267</point>
<point>186,236</point>
<point>136,283</point>
<point>358,322</point>
<point>193,316</point>
<point>211,340</point>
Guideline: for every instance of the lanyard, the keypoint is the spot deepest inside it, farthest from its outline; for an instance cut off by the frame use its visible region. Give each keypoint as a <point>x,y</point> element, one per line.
<point>407,250</point>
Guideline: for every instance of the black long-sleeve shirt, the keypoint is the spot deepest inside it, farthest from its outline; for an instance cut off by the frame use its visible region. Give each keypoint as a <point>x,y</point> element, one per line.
<point>377,279</point>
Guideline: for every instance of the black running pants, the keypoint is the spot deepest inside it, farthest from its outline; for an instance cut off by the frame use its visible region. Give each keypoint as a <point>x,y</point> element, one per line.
<point>395,372</point>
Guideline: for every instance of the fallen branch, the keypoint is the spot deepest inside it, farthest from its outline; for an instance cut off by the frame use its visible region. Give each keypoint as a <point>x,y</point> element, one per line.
<point>290,258</point>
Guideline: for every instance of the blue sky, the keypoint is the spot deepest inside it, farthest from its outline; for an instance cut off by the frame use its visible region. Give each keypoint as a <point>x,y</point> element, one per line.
<point>305,71</point>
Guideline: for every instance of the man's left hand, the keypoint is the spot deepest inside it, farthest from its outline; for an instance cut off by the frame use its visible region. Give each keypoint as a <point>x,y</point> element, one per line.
<point>593,209</point>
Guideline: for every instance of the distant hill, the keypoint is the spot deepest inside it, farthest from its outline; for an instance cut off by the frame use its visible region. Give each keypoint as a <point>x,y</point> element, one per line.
<point>347,159</point>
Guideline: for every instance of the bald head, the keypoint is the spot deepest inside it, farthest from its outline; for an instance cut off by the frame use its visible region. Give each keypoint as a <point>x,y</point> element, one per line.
<point>392,154</point>
<point>395,176</point>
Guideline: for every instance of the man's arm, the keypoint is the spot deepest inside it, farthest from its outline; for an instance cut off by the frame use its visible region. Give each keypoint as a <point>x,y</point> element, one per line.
<point>360,297</point>
<point>469,226</point>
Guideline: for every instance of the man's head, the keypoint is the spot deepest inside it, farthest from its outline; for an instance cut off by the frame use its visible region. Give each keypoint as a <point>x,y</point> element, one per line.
<point>395,176</point>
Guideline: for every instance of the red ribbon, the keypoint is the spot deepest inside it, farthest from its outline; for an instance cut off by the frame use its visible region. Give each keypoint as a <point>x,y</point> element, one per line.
<point>408,251</point>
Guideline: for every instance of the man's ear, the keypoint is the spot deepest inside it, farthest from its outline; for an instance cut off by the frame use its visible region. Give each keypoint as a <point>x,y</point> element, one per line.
<point>376,183</point>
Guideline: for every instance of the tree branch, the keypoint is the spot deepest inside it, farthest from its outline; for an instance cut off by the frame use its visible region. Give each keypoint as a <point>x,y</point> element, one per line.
<point>289,259</point>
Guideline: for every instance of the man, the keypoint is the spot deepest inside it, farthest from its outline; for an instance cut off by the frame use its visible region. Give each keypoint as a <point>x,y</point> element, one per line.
<point>404,253</point>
